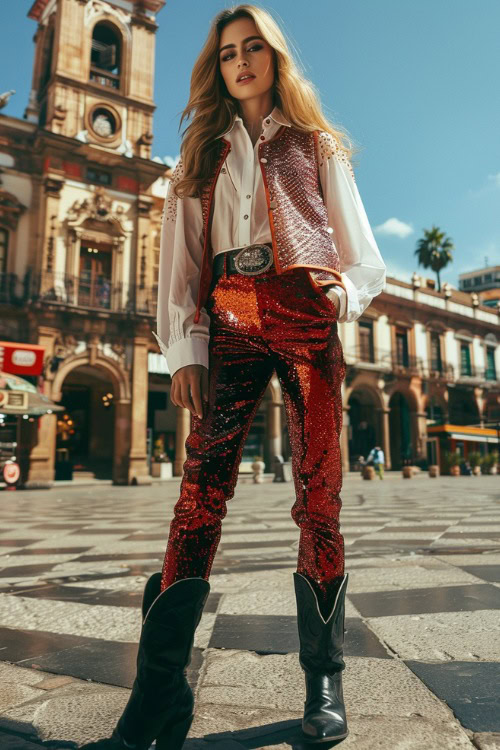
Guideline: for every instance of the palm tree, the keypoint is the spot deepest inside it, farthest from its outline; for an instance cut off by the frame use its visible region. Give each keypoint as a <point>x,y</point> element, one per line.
<point>434,251</point>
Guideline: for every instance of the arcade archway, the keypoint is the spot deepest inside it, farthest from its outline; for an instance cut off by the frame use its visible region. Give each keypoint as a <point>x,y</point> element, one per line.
<point>365,429</point>
<point>400,430</point>
<point>85,431</point>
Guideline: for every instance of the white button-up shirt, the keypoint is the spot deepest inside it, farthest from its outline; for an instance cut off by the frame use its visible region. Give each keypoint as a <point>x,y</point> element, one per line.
<point>240,218</point>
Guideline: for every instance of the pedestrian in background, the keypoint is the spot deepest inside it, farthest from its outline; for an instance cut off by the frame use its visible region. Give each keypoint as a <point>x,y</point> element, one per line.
<point>265,246</point>
<point>377,458</point>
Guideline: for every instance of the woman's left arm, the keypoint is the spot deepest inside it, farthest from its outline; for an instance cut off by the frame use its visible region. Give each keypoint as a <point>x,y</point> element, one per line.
<point>362,268</point>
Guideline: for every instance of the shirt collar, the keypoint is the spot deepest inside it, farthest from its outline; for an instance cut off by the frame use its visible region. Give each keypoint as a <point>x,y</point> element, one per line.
<point>276,115</point>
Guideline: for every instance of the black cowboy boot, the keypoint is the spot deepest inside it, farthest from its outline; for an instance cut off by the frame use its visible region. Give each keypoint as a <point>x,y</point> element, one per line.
<point>161,703</point>
<point>320,656</point>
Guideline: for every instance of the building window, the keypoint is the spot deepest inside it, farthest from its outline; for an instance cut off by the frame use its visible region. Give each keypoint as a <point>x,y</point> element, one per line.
<point>105,56</point>
<point>94,285</point>
<point>366,349</point>
<point>96,175</point>
<point>436,362</point>
<point>402,347</point>
<point>491,373</point>
<point>4,246</point>
<point>467,283</point>
<point>465,363</point>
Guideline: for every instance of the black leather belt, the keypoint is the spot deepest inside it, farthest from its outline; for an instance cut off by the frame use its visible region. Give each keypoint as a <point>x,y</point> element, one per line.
<point>248,261</point>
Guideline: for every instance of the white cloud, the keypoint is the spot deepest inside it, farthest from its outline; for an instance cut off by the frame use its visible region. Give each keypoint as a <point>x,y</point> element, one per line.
<point>492,184</point>
<point>394,227</point>
<point>169,161</point>
<point>495,178</point>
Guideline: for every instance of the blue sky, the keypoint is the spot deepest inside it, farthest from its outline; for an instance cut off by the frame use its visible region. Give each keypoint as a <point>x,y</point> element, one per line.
<point>414,83</point>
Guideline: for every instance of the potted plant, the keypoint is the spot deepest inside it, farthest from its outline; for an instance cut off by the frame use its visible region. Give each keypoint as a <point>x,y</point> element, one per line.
<point>258,467</point>
<point>369,472</point>
<point>434,470</point>
<point>489,463</point>
<point>474,458</point>
<point>161,466</point>
<point>451,461</point>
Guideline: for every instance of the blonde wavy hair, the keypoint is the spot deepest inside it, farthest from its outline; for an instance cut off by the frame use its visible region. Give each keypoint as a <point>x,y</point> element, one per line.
<point>212,109</point>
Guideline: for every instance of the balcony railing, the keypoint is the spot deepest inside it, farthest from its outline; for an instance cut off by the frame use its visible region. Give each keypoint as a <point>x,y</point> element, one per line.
<point>104,78</point>
<point>383,361</point>
<point>72,291</point>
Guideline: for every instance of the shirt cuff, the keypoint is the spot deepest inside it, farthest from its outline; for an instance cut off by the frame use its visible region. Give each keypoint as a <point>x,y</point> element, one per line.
<point>188,351</point>
<point>341,296</point>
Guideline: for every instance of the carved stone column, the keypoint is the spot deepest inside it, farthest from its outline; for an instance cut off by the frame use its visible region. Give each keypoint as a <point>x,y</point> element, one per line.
<point>138,471</point>
<point>480,396</point>
<point>386,437</point>
<point>43,453</point>
<point>182,430</point>
<point>118,301</point>
<point>53,182</point>
<point>421,434</point>
<point>122,441</point>
<point>274,429</point>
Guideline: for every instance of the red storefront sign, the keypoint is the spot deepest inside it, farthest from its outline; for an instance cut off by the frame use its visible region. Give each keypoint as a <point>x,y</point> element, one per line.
<point>21,359</point>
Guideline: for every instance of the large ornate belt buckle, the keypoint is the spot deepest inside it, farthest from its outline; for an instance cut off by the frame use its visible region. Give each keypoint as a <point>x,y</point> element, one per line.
<point>253,259</point>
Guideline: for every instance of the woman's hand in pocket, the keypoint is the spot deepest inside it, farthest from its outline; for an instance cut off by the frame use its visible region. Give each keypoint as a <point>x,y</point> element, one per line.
<point>333,297</point>
<point>190,388</point>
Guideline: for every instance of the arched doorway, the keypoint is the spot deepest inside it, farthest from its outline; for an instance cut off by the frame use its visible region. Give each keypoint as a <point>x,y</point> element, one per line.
<point>400,430</point>
<point>364,430</point>
<point>85,431</point>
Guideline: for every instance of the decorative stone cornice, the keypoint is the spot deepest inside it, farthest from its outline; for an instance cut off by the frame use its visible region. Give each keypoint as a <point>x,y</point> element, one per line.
<point>53,184</point>
<point>97,208</point>
<point>144,204</point>
<point>10,209</point>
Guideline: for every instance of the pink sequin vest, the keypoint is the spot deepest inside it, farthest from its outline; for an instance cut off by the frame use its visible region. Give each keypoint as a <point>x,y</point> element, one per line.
<point>298,217</point>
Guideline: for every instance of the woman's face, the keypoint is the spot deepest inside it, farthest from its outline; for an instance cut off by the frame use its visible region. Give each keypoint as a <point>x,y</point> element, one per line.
<point>243,51</point>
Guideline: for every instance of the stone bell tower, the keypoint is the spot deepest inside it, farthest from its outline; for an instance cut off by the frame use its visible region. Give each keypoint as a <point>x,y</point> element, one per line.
<point>93,72</point>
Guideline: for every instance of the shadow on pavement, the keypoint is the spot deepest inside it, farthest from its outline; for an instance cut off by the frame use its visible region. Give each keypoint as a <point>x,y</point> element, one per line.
<point>278,733</point>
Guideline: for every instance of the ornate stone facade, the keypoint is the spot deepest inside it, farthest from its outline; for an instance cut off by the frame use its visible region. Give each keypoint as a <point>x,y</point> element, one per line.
<point>76,194</point>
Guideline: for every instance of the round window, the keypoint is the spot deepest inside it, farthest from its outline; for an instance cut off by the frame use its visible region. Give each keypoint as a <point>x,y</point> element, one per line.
<point>103,122</point>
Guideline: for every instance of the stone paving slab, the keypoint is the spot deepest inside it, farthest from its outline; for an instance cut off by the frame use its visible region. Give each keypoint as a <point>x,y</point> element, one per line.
<point>414,545</point>
<point>468,636</point>
<point>487,740</point>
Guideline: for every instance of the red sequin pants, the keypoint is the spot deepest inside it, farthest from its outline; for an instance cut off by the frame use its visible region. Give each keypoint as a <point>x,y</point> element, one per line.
<point>259,324</point>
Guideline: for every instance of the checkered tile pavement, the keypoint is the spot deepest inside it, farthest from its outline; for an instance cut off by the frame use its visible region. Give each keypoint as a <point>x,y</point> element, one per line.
<point>422,601</point>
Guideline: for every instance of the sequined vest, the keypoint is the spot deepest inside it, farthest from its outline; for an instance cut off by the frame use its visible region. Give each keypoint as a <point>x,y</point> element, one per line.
<point>298,216</point>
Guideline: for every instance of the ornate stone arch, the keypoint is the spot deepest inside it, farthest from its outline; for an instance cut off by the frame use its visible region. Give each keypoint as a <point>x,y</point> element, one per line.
<point>410,394</point>
<point>366,383</point>
<point>96,12</point>
<point>121,385</point>
<point>118,376</point>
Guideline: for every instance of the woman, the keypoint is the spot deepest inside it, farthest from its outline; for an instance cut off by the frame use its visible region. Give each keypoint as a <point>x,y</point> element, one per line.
<point>265,246</point>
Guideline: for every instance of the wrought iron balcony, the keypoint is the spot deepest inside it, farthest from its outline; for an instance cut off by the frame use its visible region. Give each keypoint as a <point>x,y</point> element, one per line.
<point>104,78</point>
<point>64,290</point>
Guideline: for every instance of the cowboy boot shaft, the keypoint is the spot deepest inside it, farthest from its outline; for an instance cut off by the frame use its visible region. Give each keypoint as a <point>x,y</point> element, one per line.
<point>161,694</point>
<point>321,641</point>
<point>167,634</point>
